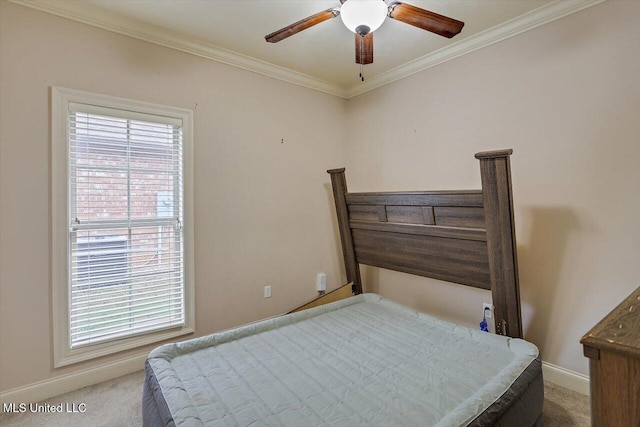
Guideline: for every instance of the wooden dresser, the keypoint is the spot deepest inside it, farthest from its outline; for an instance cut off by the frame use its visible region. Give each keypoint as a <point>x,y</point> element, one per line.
<point>613,349</point>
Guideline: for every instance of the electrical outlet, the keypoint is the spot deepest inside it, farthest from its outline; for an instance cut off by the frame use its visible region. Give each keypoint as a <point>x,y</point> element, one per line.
<point>267,291</point>
<point>487,313</point>
<point>321,282</point>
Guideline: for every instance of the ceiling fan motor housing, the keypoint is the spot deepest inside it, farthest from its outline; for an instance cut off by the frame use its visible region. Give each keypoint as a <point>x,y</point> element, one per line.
<point>363,30</point>
<point>363,13</point>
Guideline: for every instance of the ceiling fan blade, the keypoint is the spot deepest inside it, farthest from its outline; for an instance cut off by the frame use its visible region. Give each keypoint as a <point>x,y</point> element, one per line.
<point>301,25</point>
<point>364,49</point>
<point>439,24</point>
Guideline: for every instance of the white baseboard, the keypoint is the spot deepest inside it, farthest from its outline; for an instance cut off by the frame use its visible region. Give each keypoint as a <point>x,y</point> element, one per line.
<point>566,378</point>
<point>46,389</point>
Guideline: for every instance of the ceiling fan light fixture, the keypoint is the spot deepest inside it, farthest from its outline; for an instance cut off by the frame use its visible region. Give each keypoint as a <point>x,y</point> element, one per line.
<point>360,15</point>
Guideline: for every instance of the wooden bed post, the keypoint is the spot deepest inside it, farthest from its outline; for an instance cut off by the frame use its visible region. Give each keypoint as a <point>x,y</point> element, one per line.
<point>495,171</point>
<point>339,184</point>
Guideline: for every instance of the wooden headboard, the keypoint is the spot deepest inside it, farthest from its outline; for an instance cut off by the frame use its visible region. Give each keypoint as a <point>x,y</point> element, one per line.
<point>466,236</point>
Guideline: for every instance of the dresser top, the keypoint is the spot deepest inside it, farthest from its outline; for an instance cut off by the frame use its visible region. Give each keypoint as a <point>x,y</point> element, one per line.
<point>619,331</point>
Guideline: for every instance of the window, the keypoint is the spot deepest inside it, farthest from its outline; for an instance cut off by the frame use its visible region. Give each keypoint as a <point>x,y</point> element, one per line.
<point>122,255</point>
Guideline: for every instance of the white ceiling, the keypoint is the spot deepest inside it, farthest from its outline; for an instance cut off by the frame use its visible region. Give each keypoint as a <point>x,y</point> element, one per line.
<point>321,57</point>
<point>325,51</point>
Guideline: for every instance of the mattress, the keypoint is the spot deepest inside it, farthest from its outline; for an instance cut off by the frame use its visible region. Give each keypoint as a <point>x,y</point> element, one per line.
<point>361,361</point>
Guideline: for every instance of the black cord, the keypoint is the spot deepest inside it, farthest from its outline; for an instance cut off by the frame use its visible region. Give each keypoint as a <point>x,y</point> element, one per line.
<point>362,58</point>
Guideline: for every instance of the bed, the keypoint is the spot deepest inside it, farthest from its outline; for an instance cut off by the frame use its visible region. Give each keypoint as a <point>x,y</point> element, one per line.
<point>365,360</point>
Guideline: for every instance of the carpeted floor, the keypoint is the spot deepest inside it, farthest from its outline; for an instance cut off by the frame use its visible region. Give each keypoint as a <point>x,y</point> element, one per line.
<point>563,407</point>
<point>117,403</point>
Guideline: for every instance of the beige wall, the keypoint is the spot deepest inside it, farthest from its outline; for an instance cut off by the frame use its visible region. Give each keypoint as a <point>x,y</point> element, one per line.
<point>566,98</point>
<point>262,209</point>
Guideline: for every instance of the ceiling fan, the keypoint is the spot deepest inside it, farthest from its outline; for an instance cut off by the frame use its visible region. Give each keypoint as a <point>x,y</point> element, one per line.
<point>363,17</point>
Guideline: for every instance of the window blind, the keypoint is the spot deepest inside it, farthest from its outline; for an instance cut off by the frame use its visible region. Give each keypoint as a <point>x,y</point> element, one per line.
<point>126,269</point>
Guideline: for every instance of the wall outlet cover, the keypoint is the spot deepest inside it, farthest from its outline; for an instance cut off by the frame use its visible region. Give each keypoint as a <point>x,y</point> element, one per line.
<point>487,313</point>
<point>321,282</point>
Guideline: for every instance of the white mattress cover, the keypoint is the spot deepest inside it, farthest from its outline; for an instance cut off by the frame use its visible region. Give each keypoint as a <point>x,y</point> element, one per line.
<point>361,361</point>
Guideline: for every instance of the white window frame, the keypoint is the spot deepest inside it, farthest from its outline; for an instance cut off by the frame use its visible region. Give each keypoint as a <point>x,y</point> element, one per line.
<point>60,100</point>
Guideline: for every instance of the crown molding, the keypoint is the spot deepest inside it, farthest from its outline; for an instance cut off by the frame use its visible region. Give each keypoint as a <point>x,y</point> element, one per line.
<point>87,13</point>
<point>537,17</point>
<point>97,17</point>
